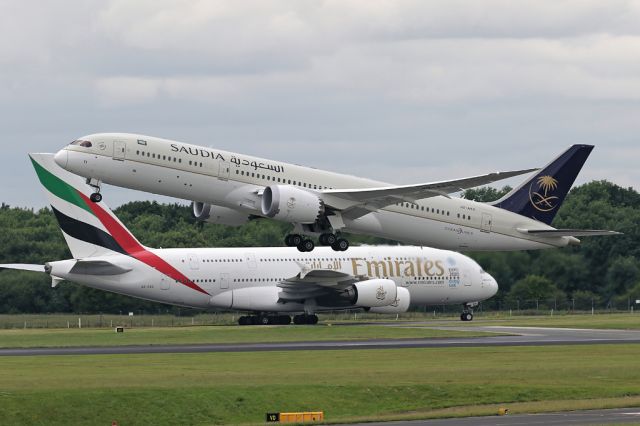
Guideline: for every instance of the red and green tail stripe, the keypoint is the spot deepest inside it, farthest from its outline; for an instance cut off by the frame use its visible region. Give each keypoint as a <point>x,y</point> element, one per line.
<point>118,238</point>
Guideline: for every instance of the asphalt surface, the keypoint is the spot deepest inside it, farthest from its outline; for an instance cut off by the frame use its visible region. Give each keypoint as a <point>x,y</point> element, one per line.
<point>520,336</point>
<point>589,417</point>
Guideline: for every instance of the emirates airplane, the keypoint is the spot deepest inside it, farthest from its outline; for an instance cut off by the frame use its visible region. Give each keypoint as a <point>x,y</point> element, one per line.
<point>269,282</point>
<point>231,189</point>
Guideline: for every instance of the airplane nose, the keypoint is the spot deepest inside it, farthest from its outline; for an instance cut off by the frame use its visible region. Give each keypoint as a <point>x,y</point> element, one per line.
<point>61,158</point>
<point>493,285</point>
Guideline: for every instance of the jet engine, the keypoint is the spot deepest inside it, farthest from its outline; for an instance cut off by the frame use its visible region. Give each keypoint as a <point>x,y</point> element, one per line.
<point>400,305</point>
<point>211,213</point>
<point>374,293</point>
<point>290,204</point>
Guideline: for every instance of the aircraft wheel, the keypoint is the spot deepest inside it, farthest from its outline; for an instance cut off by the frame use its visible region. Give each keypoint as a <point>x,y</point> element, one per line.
<point>327,239</point>
<point>284,319</point>
<point>469,316</point>
<point>312,319</point>
<point>340,245</point>
<point>243,321</point>
<point>264,320</point>
<point>306,245</point>
<point>96,197</point>
<point>299,319</point>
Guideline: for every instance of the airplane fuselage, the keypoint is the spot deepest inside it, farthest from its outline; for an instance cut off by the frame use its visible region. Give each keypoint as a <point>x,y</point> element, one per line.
<point>235,181</point>
<point>248,278</point>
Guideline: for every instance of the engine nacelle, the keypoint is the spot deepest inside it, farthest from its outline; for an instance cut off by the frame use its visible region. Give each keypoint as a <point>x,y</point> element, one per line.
<point>400,305</point>
<point>290,204</point>
<point>375,293</point>
<point>217,214</point>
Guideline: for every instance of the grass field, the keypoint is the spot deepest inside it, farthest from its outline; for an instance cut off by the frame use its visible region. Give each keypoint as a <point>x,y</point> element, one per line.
<point>212,334</point>
<point>231,388</point>
<point>623,321</point>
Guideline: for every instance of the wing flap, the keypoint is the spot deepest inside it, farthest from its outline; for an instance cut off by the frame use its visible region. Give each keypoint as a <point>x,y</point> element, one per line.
<point>554,233</point>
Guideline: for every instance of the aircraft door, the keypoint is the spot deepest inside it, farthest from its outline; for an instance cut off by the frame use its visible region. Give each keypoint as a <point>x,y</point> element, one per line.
<point>194,262</point>
<point>486,223</point>
<point>224,168</point>
<point>119,149</point>
<point>164,282</point>
<point>224,281</point>
<point>466,279</point>
<point>250,258</point>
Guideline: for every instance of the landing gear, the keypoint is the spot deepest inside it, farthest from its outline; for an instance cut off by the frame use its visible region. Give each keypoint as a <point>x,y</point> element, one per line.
<point>326,239</point>
<point>467,311</point>
<point>306,245</point>
<point>293,240</point>
<point>340,245</point>
<point>96,197</point>
<point>305,319</point>
<point>264,320</point>
<point>466,316</point>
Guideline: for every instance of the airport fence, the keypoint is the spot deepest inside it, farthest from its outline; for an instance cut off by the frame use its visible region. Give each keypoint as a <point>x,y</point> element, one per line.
<point>497,308</point>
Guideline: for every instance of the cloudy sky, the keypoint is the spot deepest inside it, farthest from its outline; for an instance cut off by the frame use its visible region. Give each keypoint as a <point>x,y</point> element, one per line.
<point>402,91</point>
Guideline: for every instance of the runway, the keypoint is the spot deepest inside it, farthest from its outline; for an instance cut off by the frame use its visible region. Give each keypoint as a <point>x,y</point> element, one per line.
<point>587,417</point>
<point>519,336</point>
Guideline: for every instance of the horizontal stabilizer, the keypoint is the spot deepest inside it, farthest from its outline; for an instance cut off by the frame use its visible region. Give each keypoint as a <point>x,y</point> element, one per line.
<point>567,232</point>
<point>23,267</point>
<point>97,267</point>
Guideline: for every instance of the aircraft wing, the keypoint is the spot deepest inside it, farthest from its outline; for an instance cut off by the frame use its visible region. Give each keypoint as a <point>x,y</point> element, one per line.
<point>567,232</point>
<point>311,283</point>
<point>23,267</point>
<point>357,202</point>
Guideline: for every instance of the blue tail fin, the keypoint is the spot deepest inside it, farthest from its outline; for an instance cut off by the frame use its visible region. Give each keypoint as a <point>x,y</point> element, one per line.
<point>540,197</point>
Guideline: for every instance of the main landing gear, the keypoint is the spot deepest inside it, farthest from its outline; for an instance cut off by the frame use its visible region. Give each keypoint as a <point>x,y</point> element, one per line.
<point>96,197</point>
<point>304,244</point>
<point>260,319</point>
<point>265,320</point>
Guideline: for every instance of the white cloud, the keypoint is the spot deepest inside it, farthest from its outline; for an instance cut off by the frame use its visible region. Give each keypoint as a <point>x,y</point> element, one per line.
<point>404,91</point>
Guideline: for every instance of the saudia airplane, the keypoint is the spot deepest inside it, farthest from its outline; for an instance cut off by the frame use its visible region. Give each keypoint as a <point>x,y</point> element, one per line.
<point>269,282</point>
<point>231,189</point>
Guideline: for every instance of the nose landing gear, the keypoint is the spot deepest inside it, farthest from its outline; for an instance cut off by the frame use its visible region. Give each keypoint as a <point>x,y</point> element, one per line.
<point>96,197</point>
<point>467,311</point>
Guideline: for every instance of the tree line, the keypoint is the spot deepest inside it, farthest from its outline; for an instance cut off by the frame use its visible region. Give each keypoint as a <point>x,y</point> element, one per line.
<point>602,271</point>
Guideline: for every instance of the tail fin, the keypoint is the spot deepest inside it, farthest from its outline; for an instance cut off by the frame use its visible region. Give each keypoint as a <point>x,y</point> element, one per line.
<point>90,229</point>
<point>541,196</point>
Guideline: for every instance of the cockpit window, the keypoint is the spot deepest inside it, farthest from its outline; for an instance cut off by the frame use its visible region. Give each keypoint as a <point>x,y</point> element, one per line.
<point>85,144</point>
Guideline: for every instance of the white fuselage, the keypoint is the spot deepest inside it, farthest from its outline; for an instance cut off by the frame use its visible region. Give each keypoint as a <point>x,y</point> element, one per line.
<point>236,181</point>
<point>248,278</point>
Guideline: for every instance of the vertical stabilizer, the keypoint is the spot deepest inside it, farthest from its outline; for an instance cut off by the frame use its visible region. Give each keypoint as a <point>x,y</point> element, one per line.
<point>90,229</point>
<point>541,196</point>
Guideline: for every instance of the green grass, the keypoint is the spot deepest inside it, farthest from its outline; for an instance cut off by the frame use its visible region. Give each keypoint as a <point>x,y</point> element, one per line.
<point>212,334</point>
<point>223,388</point>
<point>620,321</point>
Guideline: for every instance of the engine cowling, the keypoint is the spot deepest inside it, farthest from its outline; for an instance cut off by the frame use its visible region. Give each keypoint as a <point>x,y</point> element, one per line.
<point>290,204</point>
<point>374,293</point>
<point>400,305</point>
<point>217,214</point>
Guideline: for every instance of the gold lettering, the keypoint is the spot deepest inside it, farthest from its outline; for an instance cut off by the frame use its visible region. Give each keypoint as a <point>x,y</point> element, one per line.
<point>428,265</point>
<point>355,265</point>
<point>409,270</point>
<point>377,265</point>
<point>440,267</point>
<point>398,273</point>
